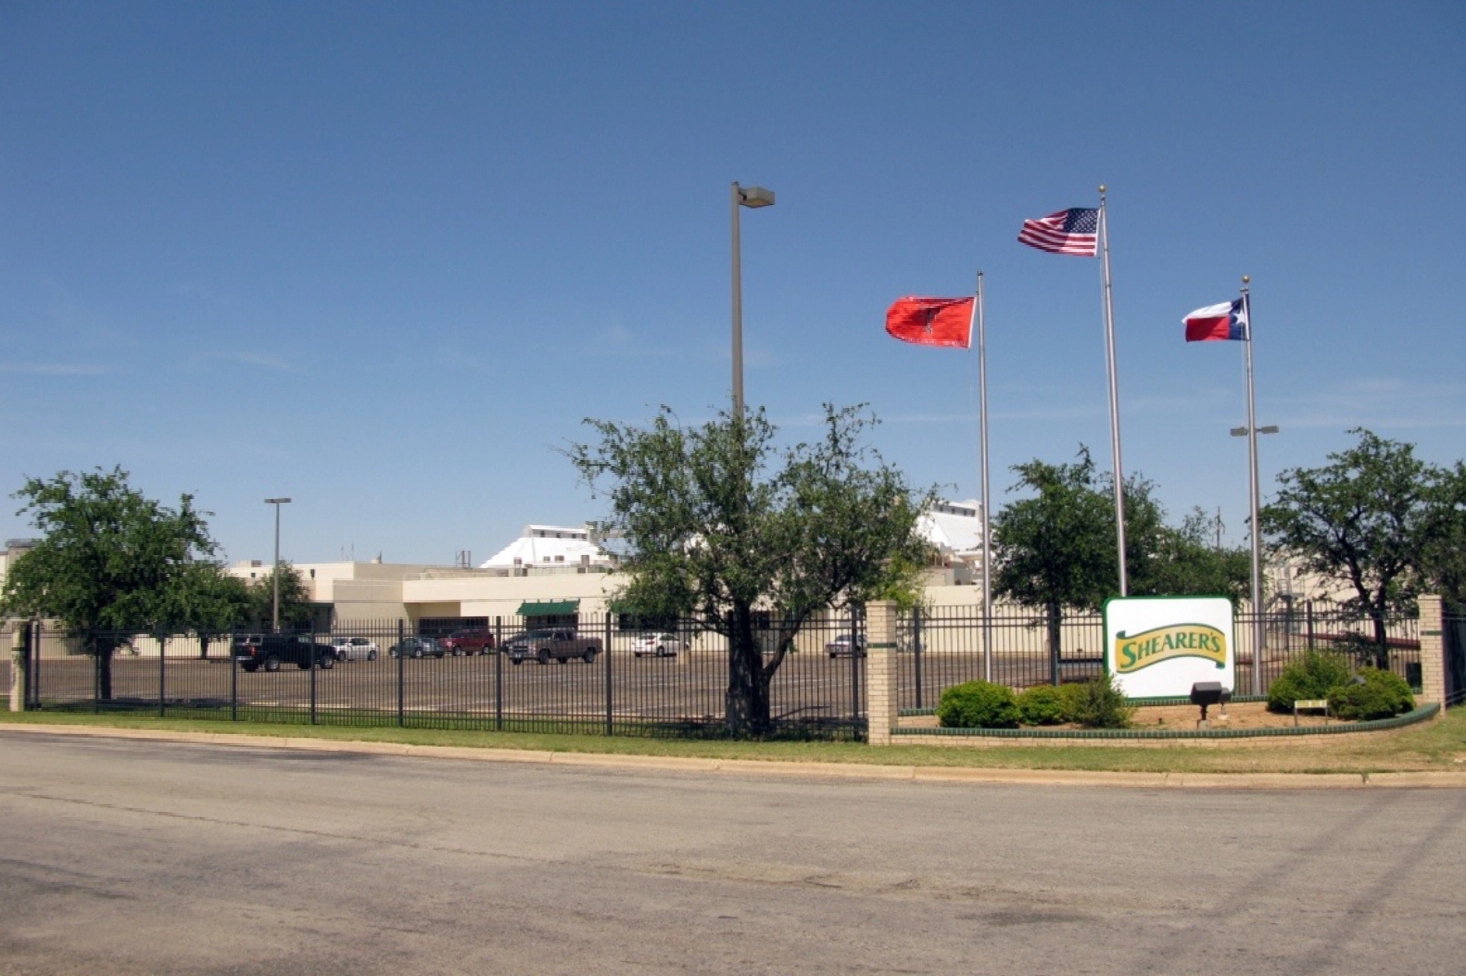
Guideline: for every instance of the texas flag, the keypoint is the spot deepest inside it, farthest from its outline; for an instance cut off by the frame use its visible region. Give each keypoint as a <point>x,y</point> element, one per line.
<point>1225,321</point>
<point>932,321</point>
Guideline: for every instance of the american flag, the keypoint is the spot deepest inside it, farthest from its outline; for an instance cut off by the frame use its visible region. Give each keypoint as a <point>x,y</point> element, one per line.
<point>1069,231</point>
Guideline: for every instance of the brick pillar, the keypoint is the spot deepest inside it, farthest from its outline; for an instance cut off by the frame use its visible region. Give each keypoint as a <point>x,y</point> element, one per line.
<point>880,670</point>
<point>20,650</point>
<point>1432,651</point>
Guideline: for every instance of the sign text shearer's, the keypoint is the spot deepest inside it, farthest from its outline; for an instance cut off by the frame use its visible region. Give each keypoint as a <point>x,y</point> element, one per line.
<point>1133,652</point>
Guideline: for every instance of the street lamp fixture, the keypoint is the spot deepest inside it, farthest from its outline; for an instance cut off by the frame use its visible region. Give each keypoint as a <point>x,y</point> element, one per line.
<point>754,197</point>
<point>275,574</point>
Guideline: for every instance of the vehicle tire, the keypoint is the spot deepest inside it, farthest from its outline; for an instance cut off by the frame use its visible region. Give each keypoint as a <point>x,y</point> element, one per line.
<point>272,663</point>
<point>328,662</point>
<point>417,652</point>
<point>588,657</point>
<point>516,661</point>
<point>371,655</point>
<point>543,656</point>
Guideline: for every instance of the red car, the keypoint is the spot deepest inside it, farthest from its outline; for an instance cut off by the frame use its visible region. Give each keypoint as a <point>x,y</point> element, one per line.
<point>470,642</point>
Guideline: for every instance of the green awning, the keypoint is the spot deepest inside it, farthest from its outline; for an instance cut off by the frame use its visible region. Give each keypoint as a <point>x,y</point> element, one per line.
<point>548,608</point>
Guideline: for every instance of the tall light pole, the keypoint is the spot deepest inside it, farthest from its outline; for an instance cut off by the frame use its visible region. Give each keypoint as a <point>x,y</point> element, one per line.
<point>753,196</point>
<point>275,573</point>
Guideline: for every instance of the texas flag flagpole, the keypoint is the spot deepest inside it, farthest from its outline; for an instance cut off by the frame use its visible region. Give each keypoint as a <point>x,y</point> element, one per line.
<point>1233,320</point>
<point>949,322</point>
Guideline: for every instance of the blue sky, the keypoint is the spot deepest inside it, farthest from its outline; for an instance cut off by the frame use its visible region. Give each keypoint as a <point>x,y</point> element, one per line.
<point>384,258</point>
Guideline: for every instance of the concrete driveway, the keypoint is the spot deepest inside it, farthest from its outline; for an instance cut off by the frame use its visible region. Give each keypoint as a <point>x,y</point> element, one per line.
<point>145,857</point>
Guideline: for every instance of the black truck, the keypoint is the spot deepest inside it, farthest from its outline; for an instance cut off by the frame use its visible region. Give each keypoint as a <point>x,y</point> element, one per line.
<point>269,651</point>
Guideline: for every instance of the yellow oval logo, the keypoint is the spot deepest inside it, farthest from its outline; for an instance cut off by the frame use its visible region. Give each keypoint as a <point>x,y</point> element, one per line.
<point>1165,643</point>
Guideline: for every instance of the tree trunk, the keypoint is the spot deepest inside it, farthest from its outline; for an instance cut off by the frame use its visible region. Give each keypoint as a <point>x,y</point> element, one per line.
<point>1381,639</point>
<point>203,646</point>
<point>747,701</point>
<point>104,650</point>
<point>1056,620</point>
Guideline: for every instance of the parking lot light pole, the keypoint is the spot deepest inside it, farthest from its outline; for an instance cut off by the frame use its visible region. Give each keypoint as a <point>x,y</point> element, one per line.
<point>752,196</point>
<point>275,573</point>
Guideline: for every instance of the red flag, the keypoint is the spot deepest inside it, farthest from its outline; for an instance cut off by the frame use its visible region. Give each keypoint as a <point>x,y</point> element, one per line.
<point>932,321</point>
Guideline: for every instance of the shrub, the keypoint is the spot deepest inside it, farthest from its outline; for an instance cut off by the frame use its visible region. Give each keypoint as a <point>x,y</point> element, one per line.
<point>978,705</point>
<point>1100,705</point>
<point>1315,675</point>
<point>1071,696</point>
<point>1380,694</point>
<point>1041,705</point>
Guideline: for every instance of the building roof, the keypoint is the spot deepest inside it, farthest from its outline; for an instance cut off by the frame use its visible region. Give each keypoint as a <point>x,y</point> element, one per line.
<point>954,527</point>
<point>548,545</point>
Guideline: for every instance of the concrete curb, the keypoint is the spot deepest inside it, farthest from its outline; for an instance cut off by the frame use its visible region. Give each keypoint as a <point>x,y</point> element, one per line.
<point>753,767</point>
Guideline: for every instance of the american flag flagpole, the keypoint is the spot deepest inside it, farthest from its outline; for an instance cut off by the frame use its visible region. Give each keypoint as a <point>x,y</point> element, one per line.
<point>1104,236</point>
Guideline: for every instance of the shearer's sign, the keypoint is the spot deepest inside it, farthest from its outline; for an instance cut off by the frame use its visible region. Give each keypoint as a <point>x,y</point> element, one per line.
<point>1160,646</point>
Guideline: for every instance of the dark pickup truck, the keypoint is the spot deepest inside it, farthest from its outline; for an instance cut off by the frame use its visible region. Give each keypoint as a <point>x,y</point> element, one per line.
<point>269,651</point>
<point>544,645</point>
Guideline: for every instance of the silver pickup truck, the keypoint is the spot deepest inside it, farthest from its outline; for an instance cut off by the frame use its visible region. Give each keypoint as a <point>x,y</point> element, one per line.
<point>546,645</point>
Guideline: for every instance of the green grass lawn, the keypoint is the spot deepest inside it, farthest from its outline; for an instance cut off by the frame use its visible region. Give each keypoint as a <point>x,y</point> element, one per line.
<point>1439,745</point>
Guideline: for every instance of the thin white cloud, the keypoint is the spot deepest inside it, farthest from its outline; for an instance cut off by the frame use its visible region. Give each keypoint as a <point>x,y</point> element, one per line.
<point>56,369</point>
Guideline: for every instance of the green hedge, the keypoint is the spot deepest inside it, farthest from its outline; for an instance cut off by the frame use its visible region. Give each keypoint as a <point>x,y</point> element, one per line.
<point>1380,694</point>
<point>1315,675</point>
<point>978,705</point>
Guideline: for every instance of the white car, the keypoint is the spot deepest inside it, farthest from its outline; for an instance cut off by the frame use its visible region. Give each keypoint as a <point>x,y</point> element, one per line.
<point>657,645</point>
<point>355,649</point>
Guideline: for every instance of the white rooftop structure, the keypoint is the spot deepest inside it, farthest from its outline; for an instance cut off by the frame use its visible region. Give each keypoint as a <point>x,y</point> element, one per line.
<point>549,546</point>
<point>955,528</point>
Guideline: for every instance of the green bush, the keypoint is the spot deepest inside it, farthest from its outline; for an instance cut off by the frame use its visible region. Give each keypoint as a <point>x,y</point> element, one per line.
<point>978,705</point>
<point>1099,705</point>
<point>1041,705</point>
<point>1315,675</point>
<point>1071,696</point>
<point>1380,695</point>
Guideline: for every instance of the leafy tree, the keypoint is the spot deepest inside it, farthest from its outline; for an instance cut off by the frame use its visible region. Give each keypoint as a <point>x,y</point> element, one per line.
<point>1364,519</point>
<point>1057,549</point>
<point>295,603</point>
<point>207,601</point>
<point>714,531</point>
<point>1443,552</point>
<point>110,560</point>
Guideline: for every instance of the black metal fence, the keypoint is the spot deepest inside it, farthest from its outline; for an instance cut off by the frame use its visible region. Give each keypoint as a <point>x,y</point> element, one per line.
<point>610,681</point>
<point>632,682</point>
<point>944,646</point>
<point>1453,634</point>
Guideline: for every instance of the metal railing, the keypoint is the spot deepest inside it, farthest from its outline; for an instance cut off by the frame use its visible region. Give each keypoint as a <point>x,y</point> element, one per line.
<point>611,681</point>
<point>943,646</point>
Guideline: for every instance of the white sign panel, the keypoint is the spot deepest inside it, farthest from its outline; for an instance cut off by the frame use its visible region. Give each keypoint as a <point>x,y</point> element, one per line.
<point>1159,646</point>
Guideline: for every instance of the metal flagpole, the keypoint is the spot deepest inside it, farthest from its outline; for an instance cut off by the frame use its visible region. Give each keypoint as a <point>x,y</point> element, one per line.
<point>1104,231</point>
<point>1258,631</point>
<point>987,556</point>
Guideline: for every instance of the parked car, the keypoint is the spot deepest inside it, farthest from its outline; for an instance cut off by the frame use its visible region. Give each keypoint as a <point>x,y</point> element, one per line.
<point>269,651</point>
<point>418,647</point>
<point>543,645</point>
<point>657,645</point>
<point>474,640</point>
<point>355,649</point>
<point>841,646</point>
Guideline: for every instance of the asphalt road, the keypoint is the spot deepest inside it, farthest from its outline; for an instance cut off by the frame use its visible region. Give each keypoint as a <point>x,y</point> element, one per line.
<point>129,857</point>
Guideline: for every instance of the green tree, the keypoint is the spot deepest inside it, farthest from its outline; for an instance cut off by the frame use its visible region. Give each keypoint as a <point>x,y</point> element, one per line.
<point>1443,553</point>
<point>1056,550</point>
<point>208,601</point>
<point>1364,520</point>
<point>713,531</point>
<point>296,609</point>
<point>111,563</point>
